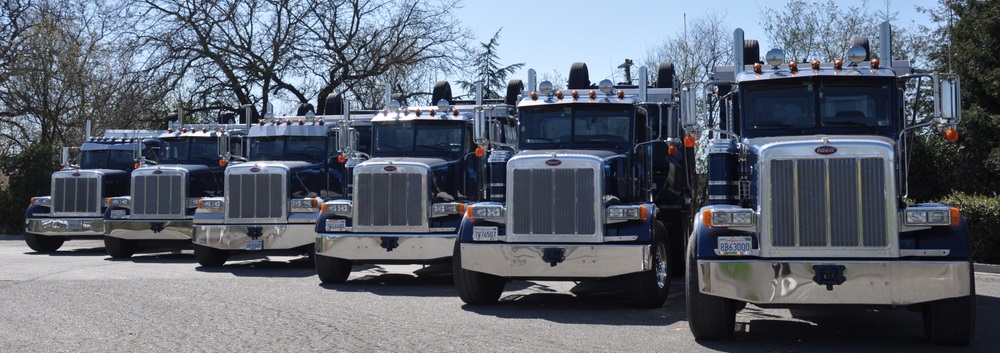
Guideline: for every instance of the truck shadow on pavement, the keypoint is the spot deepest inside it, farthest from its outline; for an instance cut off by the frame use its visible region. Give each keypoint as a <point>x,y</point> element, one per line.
<point>851,329</point>
<point>587,303</point>
<point>258,266</point>
<point>431,281</point>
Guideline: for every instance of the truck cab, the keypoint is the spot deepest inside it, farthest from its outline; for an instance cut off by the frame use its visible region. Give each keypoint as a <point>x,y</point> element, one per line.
<point>807,180</point>
<point>596,189</point>
<point>75,208</point>
<point>271,201</point>
<point>163,197</point>
<point>409,198</point>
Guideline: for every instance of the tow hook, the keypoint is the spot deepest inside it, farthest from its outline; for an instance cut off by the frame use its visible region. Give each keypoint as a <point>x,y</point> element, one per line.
<point>156,227</point>
<point>255,232</point>
<point>829,275</point>
<point>553,256</point>
<point>389,243</point>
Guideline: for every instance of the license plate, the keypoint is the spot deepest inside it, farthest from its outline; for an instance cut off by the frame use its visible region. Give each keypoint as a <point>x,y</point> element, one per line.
<point>740,245</point>
<point>74,225</point>
<point>117,214</point>
<point>255,244</point>
<point>484,233</point>
<point>336,225</point>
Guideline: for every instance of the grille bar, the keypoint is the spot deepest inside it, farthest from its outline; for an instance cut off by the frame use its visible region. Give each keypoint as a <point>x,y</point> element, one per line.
<point>256,196</point>
<point>553,202</point>
<point>76,195</point>
<point>391,199</point>
<point>158,195</point>
<point>838,202</point>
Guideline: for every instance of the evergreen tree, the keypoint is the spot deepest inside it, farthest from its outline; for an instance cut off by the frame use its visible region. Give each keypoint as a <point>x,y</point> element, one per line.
<point>489,72</point>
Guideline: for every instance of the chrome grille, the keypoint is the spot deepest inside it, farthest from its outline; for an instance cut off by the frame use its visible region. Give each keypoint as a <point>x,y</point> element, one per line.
<point>159,195</point>
<point>553,201</point>
<point>256,196</point>
<point>76,196</point>
<point>838,202</point>
<point>391,199</point>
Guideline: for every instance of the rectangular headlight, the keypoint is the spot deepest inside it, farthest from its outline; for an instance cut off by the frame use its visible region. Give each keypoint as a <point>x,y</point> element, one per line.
<point>211,204</point>
<point>622,213</point>
<point>192,202</point>
<point>44,201</point>
<point>123,201</point>
<point>444,209</point>
<point>303,205</point>
<point>487,212</point>
<point>730,217</point>
<point>931,216</point>
<point>339,207</point>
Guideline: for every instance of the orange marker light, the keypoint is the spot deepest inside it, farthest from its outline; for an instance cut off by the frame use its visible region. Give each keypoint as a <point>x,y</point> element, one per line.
<point>534,96</point>
<point>706,218</point>
<point>956,216</point>
<point>480,152</point>
<point>621,94</point>
<point>223,162</point>
<point>875,63</point>
<point>672,150</point>
<point>558,94</point>
<point>689,141</point>
<point>793,66</point>
<point>815,64</point>
<point>341,159</point>
<point>839,64</point>
<point>643,213</point>
<point>951,135</point>
<point>593,94</point>
<point>758,68</point>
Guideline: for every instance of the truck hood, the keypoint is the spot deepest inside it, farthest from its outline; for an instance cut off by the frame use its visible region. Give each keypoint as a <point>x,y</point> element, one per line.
<point>431,162</point>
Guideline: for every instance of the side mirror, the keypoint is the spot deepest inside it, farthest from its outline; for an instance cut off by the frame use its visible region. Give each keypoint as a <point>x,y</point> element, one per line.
<point>949,105</point>
<point>689,108</point>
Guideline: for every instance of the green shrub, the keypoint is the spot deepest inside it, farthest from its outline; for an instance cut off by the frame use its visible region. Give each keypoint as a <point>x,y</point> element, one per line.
<point>983,216</point>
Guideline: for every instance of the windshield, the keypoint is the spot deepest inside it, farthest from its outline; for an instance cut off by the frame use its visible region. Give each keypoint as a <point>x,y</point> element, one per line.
<point>188,150</point>
<point>818,105</point>
<point>426,138</point>
<point>288,148</point>
<point>577,126</point>
<point>106,159</point>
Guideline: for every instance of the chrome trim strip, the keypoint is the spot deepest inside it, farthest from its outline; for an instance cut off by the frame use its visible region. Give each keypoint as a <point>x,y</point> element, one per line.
<point>924,252</point>
<point>355,246</point>
<point>62,226</point>
<point>142,230</point>
<point>525,260</point>
<point>234,237</point>
<point>868,282</point>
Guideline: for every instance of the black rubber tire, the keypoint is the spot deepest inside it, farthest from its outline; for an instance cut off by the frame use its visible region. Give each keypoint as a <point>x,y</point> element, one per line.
<point>334,104</point>
<point>43,243</point>
<point>475,288</point>
<point>751,52</point>
<point>863,42</point>
<point>332,270</point>
<point>120,248</point>
<point>649,289</point>
<point>709,317</point>
<point>665,74</point>
<point>514,88</point>
<point>442,90</point>
<point>210,257</point>
<point>579,76</point>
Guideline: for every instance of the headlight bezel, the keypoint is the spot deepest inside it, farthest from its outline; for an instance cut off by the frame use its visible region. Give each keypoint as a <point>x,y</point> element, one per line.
<point>447,209</point>
<point>493,212</point>
<point>930,216</point>
<point>119,201</point>
<point>729,218</point>
<point>341,208</point>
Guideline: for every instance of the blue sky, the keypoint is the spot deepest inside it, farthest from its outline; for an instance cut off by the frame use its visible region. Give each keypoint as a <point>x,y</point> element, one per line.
<point>551,35</point>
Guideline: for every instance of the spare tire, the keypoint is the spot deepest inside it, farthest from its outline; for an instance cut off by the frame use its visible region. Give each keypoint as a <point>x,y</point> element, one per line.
<point>334,104</point>
<point>578,76</point>
<point>514,88</point>
<point>751,52</point>
<point>399,98</point>
<point>442,90</point>
<point>863,42</point>
<point>304,108</point>
<point>665,74</point>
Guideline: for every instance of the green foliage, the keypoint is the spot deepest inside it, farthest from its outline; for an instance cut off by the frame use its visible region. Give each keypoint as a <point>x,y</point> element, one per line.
<point>28,175</point>
<point>982,213</point>
<point>489,72</point>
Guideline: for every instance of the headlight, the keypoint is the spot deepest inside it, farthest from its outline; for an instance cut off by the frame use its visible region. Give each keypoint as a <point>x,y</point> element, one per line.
<point>621,213</point>
<point>211,204</point>
<point>303,205</point>
<point>119,201</point>
<point>735,217</point>
<point>192,202</point>
<point>487,212</point>
<point>444,209</point>
<point>931,216</point>
<point>339,207</point>
<point>44,201</point>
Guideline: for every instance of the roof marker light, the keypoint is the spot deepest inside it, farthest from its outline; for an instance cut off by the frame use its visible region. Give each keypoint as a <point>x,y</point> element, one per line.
<point>593,94</point>
<point>621,94</point>
<point>839,64</point>
<point>534,96</point>
<point>875,63</point>
<point>815,64</point>
<point>559,95</point>
<point>793,66</point>
<point>758,68</point>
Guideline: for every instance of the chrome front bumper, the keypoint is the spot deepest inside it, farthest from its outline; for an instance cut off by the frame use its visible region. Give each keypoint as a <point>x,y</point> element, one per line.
<point>65,227</point>
<point>367,246</point>
<point>145,229</point>
<point>526,260</point>
<point>867,282</point>
<point>234,237</point>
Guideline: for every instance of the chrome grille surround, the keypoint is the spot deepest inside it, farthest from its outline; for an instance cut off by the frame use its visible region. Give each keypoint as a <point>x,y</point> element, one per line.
<point>159,193</point>
<point>555,203</point>
<point>391,197</point>
<point>837,205</point>
<point>77,193</point>
<point>256,193</point>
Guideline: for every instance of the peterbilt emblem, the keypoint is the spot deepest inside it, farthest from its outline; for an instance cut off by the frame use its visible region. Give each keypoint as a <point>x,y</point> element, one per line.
<point>553,162</point>
<point>825,150</point>
<point>157,171</point>
<point>254,169</point>
<point>389,168</point>
<point>76,174</point>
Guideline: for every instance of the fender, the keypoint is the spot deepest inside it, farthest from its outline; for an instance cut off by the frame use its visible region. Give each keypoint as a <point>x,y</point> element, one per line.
<point>954,238</point>
<point>705,237</point>
<point>34,210</point>
<point>465,228</point>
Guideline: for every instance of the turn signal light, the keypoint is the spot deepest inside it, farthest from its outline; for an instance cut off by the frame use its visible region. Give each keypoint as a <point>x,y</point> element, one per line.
<point>672,150</point>
<point>689,141</point>
<point>955,216</point>
<point>480,152</point>
<point>341,159</point>
<point>951,135</point>
<point>222,162</point>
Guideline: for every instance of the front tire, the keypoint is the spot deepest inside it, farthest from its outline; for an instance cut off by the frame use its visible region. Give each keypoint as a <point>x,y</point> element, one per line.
<point>120,248</point>
<point>473,287</point>
<point>210,257</point>
<point>43,243</point>
<point>709,317</point>
<point>649,289</point>
<point>952,321</point>
<point>332,270</point>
